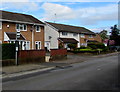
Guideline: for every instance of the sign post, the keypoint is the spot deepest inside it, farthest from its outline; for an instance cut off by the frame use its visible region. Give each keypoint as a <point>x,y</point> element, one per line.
<point>17,45</point>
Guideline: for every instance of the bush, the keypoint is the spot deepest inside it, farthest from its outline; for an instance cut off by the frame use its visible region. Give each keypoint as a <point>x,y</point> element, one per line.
<point>72,46</point>
<point>82,47</point>
<point>105,49</point>
<point>8,51</point>
<point>88,50</point>
<point>61,46</point>
<point>96,45</point>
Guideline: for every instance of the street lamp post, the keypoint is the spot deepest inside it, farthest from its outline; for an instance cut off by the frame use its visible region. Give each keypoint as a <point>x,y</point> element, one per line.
<point>17,45</point>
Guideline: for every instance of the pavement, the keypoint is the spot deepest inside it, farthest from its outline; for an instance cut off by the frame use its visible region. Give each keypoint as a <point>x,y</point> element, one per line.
<point>12,71</point>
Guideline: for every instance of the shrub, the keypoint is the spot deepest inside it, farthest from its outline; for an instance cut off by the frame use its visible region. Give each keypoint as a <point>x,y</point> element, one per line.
<point>96,45</point>
<point>61,46</point>
<point>106,49</point>
<point>86,50</point>
<point>8,51</point>
<point>72,46</point>
<point>82,47</point>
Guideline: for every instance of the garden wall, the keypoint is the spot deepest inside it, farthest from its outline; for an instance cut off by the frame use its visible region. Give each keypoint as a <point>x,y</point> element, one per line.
<point>58,54</point>
<point>31,56</point>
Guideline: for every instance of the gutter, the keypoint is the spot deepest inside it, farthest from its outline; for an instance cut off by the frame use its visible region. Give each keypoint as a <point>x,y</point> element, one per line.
<point>20,22</point>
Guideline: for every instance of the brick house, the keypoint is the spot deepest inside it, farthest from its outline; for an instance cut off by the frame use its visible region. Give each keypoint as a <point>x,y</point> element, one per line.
<point>59,33</point>
<point>31,30</point>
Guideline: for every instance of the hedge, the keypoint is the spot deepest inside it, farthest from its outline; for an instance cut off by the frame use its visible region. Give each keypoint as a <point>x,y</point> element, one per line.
<point>96,45</point>
<point>8,51</point>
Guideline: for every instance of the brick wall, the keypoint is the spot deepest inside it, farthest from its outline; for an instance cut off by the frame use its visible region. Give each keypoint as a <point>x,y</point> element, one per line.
<point>56,54</point>
<point>31,56</point>
<point>38,36</point>
<point>98,38</point>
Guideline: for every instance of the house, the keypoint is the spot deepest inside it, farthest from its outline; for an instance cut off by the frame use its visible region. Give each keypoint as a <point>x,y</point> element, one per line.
<point>31,30</point>
<point>55,34</point>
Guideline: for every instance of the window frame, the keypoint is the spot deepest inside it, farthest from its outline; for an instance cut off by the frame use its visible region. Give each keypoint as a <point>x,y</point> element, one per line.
<point>90,36</point>
<point>19,26</point>
<point>75,34</point>
<point>82,35</point>
<point>65,33</point>
<point>26,42</point>
<point>39,47</point>
<point>38,27</point>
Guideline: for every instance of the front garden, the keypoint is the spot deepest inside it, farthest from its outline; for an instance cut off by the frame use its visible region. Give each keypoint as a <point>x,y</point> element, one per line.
<point>93,48</point>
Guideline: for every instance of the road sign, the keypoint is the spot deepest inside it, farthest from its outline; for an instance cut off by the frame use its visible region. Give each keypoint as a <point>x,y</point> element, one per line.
<point>18,34</point>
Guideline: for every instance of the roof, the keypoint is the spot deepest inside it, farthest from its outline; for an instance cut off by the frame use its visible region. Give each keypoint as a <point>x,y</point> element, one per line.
<point>19,17</point>
<point>68,40</point>
<point>69,28</point>
<point>12,36</point>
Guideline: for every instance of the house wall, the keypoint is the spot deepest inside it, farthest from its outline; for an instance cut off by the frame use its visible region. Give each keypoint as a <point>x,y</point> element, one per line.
<point>94,37</point>
<point>49,31</point>
<point>70,35</point>
<point>98,38</point>
<point>86,37</point>
<point>38,36</point>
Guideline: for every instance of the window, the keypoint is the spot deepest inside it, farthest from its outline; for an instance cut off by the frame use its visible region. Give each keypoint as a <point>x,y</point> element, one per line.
<point>90,36</point>
<point>21,27</point>
<point>0,25</point>
<point>64,33</point>
<point>38,45</point>
<point>74,34</point>
<point>37,28</point>
<point>82,36</point>
<point>12,41</point>
<point>83,44</point>
<point>27,45</point>
<point>24,45</point>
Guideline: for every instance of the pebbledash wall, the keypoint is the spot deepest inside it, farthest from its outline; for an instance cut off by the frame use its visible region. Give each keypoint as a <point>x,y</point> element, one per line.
<point>58,54</point>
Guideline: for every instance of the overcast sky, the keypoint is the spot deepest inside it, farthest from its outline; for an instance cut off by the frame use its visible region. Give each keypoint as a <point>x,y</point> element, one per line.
<point>92,14</point>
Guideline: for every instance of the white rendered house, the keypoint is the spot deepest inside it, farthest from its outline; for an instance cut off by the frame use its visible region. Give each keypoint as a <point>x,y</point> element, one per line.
<point>56,33</point>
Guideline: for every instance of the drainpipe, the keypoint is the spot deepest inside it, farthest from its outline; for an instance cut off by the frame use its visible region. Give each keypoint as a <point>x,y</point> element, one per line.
<point>33,36</point>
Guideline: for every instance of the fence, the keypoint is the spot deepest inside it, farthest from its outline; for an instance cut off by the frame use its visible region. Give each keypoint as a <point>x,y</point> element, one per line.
<point>56,54</point>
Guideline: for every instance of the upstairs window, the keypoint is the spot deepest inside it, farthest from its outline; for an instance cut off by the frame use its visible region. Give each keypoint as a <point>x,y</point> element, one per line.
<point>0,25</point>
<point>64,33</point>
<point>74,34</point>
<point>90,36</point>
<point>21,27</point>
<point>37,28</point>
<point>82,36</point>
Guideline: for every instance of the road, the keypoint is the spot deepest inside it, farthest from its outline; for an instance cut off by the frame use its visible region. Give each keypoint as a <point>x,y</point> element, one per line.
<point>96,74</point>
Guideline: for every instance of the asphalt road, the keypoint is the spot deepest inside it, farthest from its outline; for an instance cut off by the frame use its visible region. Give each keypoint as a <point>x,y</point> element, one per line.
<point>97,74</point>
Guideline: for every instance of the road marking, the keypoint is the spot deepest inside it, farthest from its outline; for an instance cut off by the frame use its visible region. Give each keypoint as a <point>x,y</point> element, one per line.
<point>98,69</point>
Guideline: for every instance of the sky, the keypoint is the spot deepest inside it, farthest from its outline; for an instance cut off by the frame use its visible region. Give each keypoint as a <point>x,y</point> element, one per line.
<point>95,15</point>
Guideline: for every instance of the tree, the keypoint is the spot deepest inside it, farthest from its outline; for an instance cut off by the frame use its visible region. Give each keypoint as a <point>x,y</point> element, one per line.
<point>103,34</point>
<point>115,35</point>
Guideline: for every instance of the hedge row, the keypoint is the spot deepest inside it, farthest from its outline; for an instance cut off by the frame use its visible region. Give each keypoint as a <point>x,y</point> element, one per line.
<point>8,51</point>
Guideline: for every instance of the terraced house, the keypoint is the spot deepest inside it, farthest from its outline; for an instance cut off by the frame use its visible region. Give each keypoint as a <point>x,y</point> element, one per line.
<point>31,30</point>
<point>59,33</point>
